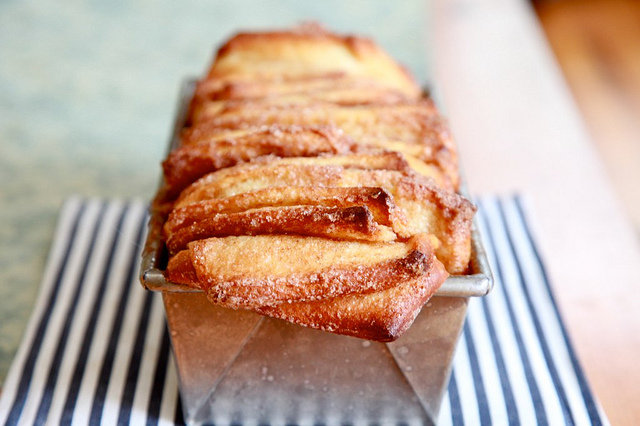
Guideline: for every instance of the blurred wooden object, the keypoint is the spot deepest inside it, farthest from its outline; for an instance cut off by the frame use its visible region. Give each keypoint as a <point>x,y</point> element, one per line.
<point>518,130</point>
<point>597,44</point>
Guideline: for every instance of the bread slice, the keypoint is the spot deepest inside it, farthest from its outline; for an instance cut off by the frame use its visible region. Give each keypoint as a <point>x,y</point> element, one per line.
<point>337,87</point>
<point>377,200</point>
<point>341,171</point>
<point>374,292</point>
<point>266,270</point>
<point>382,315</point>
<point>219,150</point>
<point>308,50</point>
<point>410,121</point>
<point>208,149</point>
<point>346,223</point>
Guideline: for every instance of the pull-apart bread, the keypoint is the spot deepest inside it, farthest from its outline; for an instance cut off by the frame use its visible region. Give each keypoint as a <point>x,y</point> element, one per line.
<point>315,183</point>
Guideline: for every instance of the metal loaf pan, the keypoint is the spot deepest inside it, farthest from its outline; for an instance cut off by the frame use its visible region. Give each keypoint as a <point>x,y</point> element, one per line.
<point>237,367</point>
<point>477,283</point>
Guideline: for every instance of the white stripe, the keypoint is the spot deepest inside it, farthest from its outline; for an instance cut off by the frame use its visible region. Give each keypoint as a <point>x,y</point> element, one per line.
<point>170,394</point>
<point>124,251</point>
<point>547,316</point>
<point>496,303</point>
<point>487,363</point>
<point>464,382</point>
<point>83,310</point>
<point>602,414</point>
<point>124,349</point>
<point>60,240</point>
<point>56,320</point>
<point>444,417</point>
<point>548,392</point>
<point>152,346</point>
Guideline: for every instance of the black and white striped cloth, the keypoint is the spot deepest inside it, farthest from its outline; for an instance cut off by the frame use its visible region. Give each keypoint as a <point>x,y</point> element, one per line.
<point>514,363</point>
<point>96,350</point>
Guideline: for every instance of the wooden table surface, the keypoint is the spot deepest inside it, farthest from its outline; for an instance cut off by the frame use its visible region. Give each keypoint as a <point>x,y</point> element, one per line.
<point>519,130</point>
<point>597,45</point>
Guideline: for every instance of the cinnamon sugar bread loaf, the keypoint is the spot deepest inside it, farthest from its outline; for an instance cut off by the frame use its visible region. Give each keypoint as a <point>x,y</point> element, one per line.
<point>316,184</point>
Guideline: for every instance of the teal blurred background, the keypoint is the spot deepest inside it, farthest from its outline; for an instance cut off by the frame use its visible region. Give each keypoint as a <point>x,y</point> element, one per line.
<point>87,95</point>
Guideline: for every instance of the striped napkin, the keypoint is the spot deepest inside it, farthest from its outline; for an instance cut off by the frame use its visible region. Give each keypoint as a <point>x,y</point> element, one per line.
<point>96,349</point>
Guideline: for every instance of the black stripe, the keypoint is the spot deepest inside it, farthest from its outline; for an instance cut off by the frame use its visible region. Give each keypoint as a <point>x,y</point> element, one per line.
<point>134,362</point>
<point>507,392</point>
<point>541,415</point>
<point>52,378</point>
<point>116,327</point>
<point>34,350</point>
<point>179,416</point>
<point>591,406</point>
<point>544,345</point>
<point>157,389</point>
<point>478,383</point>
<point>454,401</point>
<point>78,373</point>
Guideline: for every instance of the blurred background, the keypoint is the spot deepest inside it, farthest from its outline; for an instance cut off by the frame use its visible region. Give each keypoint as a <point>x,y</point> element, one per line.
<point>88,90</point>
<point>597,45</point>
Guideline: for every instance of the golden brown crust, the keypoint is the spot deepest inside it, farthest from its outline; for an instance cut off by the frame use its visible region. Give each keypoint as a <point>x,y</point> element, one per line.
<point>247,272</point>
<point>347,223</point>
<point>382,315</point>
<point>199,151</point>
<point>308,50</point>
<point>377,200</point>
<point>406,121</point>
<point>339,88</point>
<point>180,270</point>
<point>274,172</point>
<point>192,161</point>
